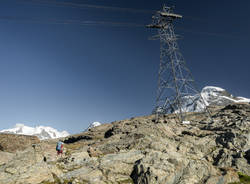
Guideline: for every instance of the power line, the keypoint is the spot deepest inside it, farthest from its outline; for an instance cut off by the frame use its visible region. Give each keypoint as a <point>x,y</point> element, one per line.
<point>91,6</point>
<point>210,34</point>
<point>106,23</point>
<point>81,5</point>
<point>70,21</point>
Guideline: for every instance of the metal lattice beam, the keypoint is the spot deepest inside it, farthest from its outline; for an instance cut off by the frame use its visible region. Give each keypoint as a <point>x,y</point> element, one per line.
<point>175,82</point>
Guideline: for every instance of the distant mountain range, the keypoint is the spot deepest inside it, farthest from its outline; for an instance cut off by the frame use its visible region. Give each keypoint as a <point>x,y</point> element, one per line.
<point>209,95</point>
<point>42,132</point>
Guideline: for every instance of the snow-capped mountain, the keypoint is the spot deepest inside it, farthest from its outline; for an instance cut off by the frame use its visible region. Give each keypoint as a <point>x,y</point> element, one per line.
<point>210,95</point>
<point>94,124</point>
<point>42,132</point>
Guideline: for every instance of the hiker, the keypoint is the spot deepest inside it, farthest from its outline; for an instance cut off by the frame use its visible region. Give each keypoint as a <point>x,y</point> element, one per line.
<point>59,147</point>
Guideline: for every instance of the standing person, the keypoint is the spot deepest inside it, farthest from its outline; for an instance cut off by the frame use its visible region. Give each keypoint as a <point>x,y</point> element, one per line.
<point>59,147</point>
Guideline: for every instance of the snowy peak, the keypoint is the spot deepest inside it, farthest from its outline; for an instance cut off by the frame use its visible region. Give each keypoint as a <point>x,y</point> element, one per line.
<point>210,96</point>
<point>94,124</point>
<point>212,89</point>
<point>218,96</point>
<point>42,132</point>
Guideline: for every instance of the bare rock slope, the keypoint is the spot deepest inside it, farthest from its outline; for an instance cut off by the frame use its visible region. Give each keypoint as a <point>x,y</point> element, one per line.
<point>13,142</point>
<point>142,151</point>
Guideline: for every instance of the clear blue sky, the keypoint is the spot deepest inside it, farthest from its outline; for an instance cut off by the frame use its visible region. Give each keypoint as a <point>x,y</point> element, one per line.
<point>69,75</point>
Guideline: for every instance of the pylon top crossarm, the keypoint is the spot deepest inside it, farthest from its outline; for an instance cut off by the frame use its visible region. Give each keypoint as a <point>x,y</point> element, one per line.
<point>170,15</point>
<point>162,18</point>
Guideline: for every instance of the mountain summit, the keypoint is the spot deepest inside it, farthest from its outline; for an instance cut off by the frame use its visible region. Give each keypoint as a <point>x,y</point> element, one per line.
<point>42,132</point>
<point>211,96</point>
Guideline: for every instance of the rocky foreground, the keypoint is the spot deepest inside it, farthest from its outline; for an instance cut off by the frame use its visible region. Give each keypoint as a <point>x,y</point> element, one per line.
<point>142,150</point>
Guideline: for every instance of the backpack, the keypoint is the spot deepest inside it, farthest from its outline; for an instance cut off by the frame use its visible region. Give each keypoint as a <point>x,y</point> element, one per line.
<point>58,146</point>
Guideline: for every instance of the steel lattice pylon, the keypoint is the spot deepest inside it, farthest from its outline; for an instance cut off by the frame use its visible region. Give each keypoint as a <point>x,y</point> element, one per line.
<point>175,82</point>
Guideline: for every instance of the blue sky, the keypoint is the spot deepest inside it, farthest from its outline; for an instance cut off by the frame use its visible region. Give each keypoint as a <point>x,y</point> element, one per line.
<point>69,75</point>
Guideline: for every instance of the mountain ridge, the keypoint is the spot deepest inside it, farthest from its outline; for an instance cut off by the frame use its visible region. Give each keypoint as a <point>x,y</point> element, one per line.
<point>209,96</point>
<point>42,132</point>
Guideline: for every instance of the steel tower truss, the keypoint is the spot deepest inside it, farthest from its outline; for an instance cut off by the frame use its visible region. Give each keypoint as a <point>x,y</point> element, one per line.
<point>175,82</point>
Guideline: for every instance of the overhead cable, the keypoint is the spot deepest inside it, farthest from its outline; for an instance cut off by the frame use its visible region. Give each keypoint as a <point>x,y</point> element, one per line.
<point>81,5</point>
<point>84,5</point>
<point>106,23</point>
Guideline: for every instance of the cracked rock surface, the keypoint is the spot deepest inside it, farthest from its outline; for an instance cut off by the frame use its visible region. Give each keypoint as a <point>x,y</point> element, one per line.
<point>142,150</point>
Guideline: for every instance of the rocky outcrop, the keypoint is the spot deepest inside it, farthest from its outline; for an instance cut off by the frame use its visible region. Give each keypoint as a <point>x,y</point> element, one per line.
<point>13,142</point>
<point>5,157</point>
<point>142,150</point>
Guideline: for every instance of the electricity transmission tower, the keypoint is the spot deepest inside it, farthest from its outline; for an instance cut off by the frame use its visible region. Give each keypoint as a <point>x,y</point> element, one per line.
<point>176,89</point>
